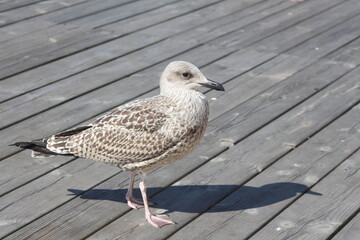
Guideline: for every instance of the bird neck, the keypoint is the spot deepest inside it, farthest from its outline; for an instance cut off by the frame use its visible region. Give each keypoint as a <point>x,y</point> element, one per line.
<point>190,102</point>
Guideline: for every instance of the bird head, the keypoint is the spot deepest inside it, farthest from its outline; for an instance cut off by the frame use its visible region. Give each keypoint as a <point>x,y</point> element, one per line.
<point>181,75</point>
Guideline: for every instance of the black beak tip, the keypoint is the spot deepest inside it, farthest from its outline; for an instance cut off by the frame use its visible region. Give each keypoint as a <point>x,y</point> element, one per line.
<point>213,85</point>
<point>221,88</point>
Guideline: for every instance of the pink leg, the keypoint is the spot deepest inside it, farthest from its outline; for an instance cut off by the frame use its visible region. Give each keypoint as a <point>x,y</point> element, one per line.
<point>132,202</point>
<point>155,220</point>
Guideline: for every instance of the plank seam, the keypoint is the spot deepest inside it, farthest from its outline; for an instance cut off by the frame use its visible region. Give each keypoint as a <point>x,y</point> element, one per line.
<point>40,14</point>
<point>196,9</point>
<point>1,11</point>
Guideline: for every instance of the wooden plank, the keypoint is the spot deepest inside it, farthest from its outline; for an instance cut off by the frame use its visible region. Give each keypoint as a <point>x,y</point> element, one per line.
<point>193,19</point>
<point>310,12</point>
<point>38,42</point>
<point>10,4</point>
<point>293,36</point>
<point>36,25</point>
<point>327,42</point>
<point>125,12</point>
<point>347,54</point>
<point>83,10</point>
<point>33,10</point>
<point>62,40</point>
<point>89,58</point>
<point>350,231</point>
<point>244,15</point>
<point>168,173</point>
<point>38,197</point>
<point>238,164</point>
<point>59,40</point>
<point>245,86</point>
<point>19,169</point>
<point>320,216</point>
<point>255,203</point>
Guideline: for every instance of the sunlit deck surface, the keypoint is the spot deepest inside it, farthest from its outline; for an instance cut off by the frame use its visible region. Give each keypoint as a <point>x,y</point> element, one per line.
<point>280,159</point>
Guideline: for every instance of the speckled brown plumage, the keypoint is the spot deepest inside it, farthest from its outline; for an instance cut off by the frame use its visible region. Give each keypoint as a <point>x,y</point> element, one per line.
<point>139,136</point>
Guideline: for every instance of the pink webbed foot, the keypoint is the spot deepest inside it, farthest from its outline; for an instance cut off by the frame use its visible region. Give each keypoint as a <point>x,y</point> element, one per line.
<point>159,220</point>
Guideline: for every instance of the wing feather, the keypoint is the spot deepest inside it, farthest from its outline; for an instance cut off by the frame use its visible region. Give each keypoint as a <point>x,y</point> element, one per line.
<point>130,133</point>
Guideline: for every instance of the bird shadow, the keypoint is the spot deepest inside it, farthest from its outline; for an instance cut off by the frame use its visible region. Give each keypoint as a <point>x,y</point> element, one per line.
<point>197,198</point>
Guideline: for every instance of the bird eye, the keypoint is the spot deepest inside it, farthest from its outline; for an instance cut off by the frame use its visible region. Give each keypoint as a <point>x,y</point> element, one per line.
<point>186,74</point>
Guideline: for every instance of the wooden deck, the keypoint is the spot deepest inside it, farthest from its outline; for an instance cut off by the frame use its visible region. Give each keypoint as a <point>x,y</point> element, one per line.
<point>281,156</point>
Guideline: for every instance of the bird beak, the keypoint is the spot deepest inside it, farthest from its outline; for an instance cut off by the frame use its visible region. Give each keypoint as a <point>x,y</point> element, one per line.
<point>213,85</point>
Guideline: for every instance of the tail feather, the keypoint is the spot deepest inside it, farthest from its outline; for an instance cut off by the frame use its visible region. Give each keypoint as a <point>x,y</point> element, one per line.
<point>38,145</point>
<point>56,146</point>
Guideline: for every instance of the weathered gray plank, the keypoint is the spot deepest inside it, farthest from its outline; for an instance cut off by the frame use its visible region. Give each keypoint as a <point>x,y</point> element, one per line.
<point>43,194</point>
<point>338,14</point>
<point>36,50</point>
<point>347,54</point>
<point>82,10</point>
<point>36,25</point>
<point>300,21</point>
<point>10,4</point>
<point>124,12</point>
<point>238,164</point>
<point>25,53</point>
<point>169,174</point>
<point>325,43</point>
<point>131,42</point>
<point>254,204</point>
<point>244,15</point>
<point>245,86</point>
<point>84,60</point>
<point>20,168</point>
<point>33,10</point>
<point>312,217</point>
<point>350,231</point>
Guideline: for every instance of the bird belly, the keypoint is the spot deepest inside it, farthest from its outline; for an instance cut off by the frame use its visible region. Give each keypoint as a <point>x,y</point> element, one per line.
<point>177,152</point>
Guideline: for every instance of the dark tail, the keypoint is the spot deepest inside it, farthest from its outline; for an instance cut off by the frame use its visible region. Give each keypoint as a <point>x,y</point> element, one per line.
<point>38,145</point>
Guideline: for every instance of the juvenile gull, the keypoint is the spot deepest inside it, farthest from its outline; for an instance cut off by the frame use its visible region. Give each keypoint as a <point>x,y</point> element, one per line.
<point>143,134</point>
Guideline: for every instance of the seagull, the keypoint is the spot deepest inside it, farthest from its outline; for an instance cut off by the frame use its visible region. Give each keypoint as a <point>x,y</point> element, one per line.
<point>143,134</point>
